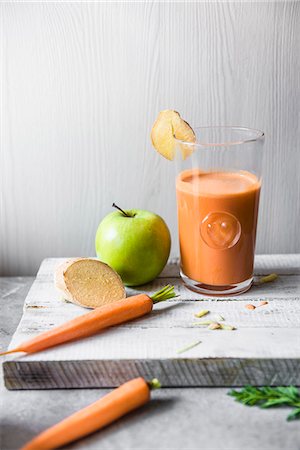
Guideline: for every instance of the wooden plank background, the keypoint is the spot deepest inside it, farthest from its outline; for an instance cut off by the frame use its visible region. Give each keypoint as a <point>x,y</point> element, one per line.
<point>82,83</point>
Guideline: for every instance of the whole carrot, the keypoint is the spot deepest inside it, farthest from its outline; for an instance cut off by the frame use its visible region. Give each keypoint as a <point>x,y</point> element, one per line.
<point>88,324</point>
<point>104,411</point>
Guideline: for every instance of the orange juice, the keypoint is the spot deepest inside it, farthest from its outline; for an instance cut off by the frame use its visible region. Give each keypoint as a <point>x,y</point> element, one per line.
<point>217,217</point>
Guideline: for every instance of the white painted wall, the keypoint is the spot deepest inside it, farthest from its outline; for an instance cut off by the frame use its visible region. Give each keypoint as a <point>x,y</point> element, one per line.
<point>81,86</point>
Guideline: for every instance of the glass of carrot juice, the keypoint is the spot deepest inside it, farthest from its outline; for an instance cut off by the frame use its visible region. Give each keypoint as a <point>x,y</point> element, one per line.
<point>218,186</point>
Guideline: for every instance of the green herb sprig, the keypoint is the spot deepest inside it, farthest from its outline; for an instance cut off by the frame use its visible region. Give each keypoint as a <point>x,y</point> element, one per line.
<point>266,397</point>
<point>188,347</point>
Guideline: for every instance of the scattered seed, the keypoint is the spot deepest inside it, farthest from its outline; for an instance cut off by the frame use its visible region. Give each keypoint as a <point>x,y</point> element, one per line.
<point>227,327</point>
<point>202,313</point>
<point>214,326</point>
<point>249,306</point>
<point>267,279</point>
<point>219,318</point>
<point>189,347</point>
<point>203,323</point>
<point>263,304</point>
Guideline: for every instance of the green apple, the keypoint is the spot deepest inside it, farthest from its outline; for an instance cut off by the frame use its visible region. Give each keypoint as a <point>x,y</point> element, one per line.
<point>135,243</point>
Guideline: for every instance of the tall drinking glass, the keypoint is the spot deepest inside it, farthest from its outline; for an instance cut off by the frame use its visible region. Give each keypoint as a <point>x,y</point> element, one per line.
<point>218,186</point>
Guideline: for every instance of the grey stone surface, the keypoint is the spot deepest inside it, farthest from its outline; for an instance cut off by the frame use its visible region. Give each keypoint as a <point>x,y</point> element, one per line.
<point>175,419</point>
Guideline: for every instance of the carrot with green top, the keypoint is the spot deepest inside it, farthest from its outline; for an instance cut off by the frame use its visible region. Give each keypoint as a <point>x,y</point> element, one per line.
<point>104,411</point>
<point>91,323</point>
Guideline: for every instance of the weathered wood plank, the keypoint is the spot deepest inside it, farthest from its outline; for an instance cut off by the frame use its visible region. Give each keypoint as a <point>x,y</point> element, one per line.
<point>285,264</point>
<point>171,373</point>
<point>179,314</point>
<point>287,287</point>
<point>265,347</point>
<point>119,343</point>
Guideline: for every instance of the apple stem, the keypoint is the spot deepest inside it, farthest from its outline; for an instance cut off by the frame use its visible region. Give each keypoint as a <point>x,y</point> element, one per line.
<point>125,214</point>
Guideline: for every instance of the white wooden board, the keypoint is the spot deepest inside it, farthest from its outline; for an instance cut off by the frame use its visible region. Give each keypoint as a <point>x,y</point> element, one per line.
<point>264,348</point>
